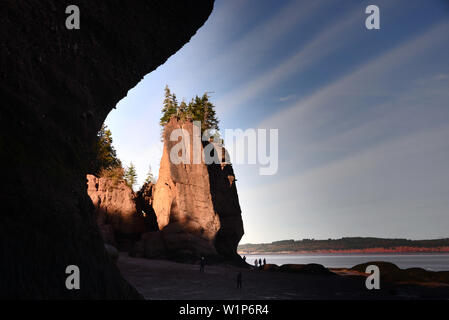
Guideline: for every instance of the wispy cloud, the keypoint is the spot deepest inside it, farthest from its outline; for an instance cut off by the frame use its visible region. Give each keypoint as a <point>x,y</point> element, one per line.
<point>262,37</point>
<point>363,193</point>
<point>442,76</point>
<point>362,143</point>
<point>366,81</point>
<point>393,154</point>
<point>308,54</point>
<point>287,98</point>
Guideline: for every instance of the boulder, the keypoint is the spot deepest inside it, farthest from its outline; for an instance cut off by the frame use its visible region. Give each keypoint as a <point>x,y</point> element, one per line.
<point>392,273</point>
<point>269,267</point>
<point>311,268</point>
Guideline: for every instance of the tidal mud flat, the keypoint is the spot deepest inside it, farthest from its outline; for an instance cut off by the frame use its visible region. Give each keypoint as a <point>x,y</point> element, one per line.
<point>162,280</point>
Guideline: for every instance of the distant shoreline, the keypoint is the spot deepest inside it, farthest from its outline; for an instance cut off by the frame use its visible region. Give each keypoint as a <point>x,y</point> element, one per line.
<point>393,250</point>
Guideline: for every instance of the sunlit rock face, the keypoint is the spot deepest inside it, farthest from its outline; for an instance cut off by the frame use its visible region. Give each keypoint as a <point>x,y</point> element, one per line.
<point>196,205</point>
<point>57,87</point>
<point>116,211</point>
<point>122,215</point>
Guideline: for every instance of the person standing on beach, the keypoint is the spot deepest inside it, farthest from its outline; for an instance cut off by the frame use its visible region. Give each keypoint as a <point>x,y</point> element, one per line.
<point>239,280</point>
<point>202,263</point>
<point>255,263</point>
<point>260,262</point>
<point>264,261</point>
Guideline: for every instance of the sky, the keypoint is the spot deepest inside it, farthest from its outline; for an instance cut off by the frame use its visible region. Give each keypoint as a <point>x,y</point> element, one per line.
<point>362,115</point>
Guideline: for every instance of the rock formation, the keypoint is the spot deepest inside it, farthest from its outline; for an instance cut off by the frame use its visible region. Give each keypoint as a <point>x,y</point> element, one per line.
<point>57,87</point>
<point>144,203</point>
<point>392,273</point>
<point>196,206</point>
<point>117,215</point>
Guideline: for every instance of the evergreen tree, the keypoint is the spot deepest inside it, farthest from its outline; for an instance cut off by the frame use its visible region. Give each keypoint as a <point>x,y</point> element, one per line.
<point>170,107</point>
<point>193,109</point>
<point>175,104</point>
<point>199,109</point>
<point>209,116</point>
<point>203,110</point>
<point>131,176</point>
<point>105,156</point>
<point>150,176</point>
<point>183,115</point>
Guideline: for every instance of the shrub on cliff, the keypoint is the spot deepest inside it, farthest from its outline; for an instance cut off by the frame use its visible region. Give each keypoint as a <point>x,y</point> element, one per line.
<point>115,174</point>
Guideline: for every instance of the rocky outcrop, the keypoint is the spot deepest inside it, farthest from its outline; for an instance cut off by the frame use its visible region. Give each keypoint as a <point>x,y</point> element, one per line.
<point>117,215</point>
<point>144,202</point>
<point>310,269</point>
<point>196,206</point>
<point>392,273</point>
<point>57,87</point>
<point>226,205</point>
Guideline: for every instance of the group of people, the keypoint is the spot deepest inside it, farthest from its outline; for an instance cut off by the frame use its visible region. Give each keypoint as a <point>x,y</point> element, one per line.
<point>257,262</point>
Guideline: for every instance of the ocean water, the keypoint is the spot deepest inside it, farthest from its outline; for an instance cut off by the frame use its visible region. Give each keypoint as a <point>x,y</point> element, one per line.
<point>428,261</point>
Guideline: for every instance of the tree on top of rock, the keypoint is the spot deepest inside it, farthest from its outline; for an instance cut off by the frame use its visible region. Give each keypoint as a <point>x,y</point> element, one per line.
<point>150,176</point>
<point>199,109</point>
<point>170,107</point>
<point>183,111</point>
<point>105,156</point>
<point>131,176</point>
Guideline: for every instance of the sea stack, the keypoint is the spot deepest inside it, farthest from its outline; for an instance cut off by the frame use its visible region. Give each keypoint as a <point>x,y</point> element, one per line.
<point>196,205</point>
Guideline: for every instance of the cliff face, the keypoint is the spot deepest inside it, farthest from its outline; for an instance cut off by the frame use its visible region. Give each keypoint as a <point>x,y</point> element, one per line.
<point>57,87</point>
<point>196,206</point>
<point>226,205</point>
<point>116,211</point>
<point>144,202</point>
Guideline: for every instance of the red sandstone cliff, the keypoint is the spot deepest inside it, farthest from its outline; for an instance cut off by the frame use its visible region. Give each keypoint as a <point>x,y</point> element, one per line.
<point>193,210</point>
<point>196,207</point>
<point>116,211</point>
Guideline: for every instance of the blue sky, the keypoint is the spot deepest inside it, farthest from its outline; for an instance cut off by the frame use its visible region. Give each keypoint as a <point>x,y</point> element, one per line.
<point>363,115</point>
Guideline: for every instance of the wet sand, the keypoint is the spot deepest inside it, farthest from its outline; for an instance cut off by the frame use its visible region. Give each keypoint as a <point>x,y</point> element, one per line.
<point>161,280</point>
